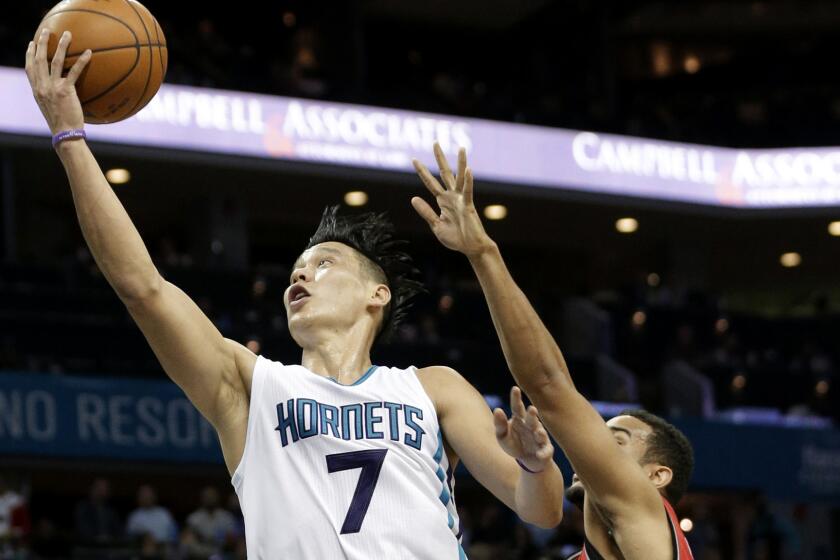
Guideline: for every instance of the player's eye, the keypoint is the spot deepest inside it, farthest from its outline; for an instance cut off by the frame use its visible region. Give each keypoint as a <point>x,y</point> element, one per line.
<point>322,262</point>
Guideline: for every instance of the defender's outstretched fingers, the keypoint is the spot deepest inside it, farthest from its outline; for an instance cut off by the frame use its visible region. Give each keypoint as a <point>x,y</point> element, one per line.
<point>426,212</point>
<point>532,418</point>
<point>443,165</point>
<point>517,407</point>
<point>428,179</point>
<point>462,168</point>
<point>57,64</point>
<point>546,450</point>
<point>500,421</point>
<point>79,67</point>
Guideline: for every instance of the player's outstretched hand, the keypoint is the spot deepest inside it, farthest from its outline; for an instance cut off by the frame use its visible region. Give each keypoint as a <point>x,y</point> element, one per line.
<point>523,436</point>
<point>54,92</point>
<point>458,226</point>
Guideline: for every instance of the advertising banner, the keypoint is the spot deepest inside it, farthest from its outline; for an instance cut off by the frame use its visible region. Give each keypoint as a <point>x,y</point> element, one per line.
<point>262,126</point>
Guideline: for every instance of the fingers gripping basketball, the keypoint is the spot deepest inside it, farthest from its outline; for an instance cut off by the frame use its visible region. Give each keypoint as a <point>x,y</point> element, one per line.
<point>129,54</point>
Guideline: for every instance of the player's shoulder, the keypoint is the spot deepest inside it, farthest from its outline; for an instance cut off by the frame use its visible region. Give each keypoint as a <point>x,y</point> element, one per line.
<point>439,374</point>
<point>442,383</point>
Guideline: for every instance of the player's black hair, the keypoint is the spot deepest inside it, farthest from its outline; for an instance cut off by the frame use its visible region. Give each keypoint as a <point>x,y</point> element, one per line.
<point>667,446</point>
<point>372,235</point>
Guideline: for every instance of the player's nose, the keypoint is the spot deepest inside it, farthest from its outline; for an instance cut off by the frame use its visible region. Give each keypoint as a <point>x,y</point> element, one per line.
<point>300,274</point>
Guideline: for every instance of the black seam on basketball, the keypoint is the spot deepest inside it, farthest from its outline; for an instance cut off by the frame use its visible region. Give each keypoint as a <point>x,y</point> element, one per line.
<point>121,80</point>
<point>165,58</point>
<point>151,59</point>
<point>160,51</point>
<point>115,18</point>
<point>106,49</point>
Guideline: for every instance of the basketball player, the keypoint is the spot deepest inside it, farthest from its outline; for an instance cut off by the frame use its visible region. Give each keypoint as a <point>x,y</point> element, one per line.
<point>334,458</point>
<point>628,471</point>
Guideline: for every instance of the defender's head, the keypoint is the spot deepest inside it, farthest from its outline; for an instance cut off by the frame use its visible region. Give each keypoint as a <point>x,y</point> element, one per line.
<point>352,274</point>
<point>660,449</point>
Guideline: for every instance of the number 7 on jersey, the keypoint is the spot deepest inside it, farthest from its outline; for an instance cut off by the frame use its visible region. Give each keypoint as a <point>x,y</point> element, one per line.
<point>370,461</point>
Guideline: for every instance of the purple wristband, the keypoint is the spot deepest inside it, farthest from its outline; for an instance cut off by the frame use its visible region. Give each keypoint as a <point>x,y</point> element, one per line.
<point>72,134</point>
<point>526,469</point>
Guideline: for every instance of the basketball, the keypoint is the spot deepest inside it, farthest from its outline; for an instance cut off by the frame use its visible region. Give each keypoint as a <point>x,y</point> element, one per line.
<point>128,60</point>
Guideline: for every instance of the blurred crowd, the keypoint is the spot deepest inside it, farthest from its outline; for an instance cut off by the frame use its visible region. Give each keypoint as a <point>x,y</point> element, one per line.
<point>209,526</point>
<point>97,529</point>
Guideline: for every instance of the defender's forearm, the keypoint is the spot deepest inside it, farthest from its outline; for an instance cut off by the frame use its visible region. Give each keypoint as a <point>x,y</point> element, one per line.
<point>111,236</point>
<point>539,497</point>
<point>531,352</point>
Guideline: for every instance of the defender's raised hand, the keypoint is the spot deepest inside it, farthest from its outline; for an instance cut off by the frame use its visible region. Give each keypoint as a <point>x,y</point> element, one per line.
<point>458,226</point>
<point>55,92</point>
<point>523,436</point>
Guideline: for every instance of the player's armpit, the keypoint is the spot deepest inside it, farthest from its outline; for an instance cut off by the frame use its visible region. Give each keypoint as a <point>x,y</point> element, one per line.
<point>467,425</point>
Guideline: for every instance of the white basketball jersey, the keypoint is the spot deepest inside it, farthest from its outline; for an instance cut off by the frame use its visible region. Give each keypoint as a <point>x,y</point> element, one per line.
<point>335,471</point>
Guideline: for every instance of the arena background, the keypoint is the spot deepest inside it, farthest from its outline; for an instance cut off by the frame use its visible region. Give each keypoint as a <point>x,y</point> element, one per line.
<point>703,130</point>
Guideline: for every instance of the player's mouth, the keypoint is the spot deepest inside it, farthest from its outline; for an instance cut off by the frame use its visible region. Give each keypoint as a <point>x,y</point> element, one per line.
<point>297,296</point>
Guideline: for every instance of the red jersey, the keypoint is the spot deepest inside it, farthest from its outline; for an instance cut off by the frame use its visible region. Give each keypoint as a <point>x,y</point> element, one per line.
<point>679,543</point>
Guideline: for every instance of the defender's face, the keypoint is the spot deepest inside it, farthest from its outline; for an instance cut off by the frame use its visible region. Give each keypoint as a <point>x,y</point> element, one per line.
<point>327,286</point>
<point>631,435</point>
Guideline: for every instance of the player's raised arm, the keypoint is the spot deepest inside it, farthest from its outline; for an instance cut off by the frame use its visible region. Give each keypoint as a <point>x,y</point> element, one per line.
<point>213,371</point>
<point>533,356</point>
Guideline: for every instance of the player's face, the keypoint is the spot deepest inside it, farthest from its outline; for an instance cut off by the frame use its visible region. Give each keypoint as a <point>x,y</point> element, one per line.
<point>328,288</point>
<point>631,435</point>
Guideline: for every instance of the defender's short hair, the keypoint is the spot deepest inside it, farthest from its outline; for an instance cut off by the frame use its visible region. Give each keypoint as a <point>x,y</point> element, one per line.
<point>372,235</point>
<point>667,446</point>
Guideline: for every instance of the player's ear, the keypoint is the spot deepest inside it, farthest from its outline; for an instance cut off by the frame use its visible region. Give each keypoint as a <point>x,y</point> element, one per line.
<point>380,296</point>
<point>660,475</point>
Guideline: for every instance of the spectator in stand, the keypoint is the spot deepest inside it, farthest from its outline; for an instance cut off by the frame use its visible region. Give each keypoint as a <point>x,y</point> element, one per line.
<point>190,547</point>
<point>96,520</point>
<point>13,521</point>
<point>211,523</point>
<point>151,519</point>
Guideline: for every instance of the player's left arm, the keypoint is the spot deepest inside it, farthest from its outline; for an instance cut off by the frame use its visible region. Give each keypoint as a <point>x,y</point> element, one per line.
<point>489,444</point>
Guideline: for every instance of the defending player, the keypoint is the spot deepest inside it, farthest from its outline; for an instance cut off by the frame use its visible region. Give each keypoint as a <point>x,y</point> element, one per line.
<point>628,471</point>
<point>334,458</point>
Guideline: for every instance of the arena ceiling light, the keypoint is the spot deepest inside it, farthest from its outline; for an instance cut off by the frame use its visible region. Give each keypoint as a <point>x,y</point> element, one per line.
<point>834,229</point>
<point>495,212</point>
<point>790,260</point>
<point>626,225</point>
<point>691,64</point>
<point>356,198</point>
<point>118,176</point>
<point>639,319</point>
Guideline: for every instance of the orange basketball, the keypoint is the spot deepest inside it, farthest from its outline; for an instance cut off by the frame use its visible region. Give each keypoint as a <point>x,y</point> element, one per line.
<point>129,54</point>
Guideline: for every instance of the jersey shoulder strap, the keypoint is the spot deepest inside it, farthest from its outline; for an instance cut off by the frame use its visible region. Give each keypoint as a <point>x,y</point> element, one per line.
<point>679,544</point>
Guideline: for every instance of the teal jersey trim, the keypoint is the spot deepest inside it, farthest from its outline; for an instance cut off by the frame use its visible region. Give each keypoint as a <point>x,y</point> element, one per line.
<point>445,497</point>
<point>359,381</point>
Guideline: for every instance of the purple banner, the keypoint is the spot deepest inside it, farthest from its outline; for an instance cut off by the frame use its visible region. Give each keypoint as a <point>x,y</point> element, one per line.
<point>217,121</point>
